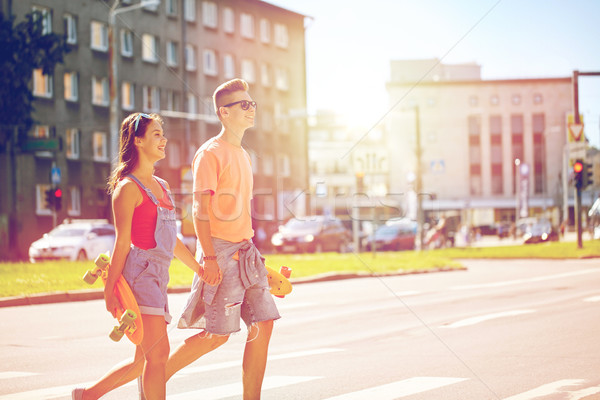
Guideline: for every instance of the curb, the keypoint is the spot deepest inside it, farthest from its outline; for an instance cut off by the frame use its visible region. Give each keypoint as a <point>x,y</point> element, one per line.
<point>98,294</point>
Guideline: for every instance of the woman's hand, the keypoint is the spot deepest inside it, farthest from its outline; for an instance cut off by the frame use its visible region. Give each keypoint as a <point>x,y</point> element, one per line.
<point>112,303</point>
<point>212,274</point>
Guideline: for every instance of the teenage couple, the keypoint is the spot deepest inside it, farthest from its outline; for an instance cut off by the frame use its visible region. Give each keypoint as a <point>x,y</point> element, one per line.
<point>230,281</point>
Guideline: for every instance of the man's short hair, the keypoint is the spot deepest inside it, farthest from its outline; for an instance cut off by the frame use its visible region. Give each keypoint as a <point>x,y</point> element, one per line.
<point>225,89</point>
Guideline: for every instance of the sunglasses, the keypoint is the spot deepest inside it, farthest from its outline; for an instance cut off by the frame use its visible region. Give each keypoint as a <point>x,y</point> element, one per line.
<point>245,104</point>
<point>137,120</point>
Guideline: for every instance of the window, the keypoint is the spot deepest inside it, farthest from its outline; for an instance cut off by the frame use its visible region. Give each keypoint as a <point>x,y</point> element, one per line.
<point>174,157</point>
<point>281,36</point>
<point>70,83</point>
<point>209,14</point>
<point>149,48</point>
<point>46,15</point>
<point>253,161</point>
<point>247,26</point>
<point>98,36</point>
<point>151,7</point>
<point>190,57</point>
<point>151,98</point>
<point>517,147</point>
<point>228,66</point>
<point>248,73</point>
<point>539,153</point>
<point>189,10</point>
<point>126,43</point>
<point>208,108</point>
<point>41,207</point>
<point>171,7</point>
<point>267,120</point>
<point>42,84</point>
<point>72,143</point>
<point>537,98</point>
<point>473,101</point>
<point>100,91</point>
<point>41,131</point>
<point>99,144</point>
<point>74,201</point>
<point>268,165</point>
<point>171,54</point>
<point>516,99</point>
<point>265,75</point>
<point>70,29</point>
<point>474,124</point>
<point>192,104</point>
<point>496,153</point>
<point>494,100</point>
<point>228,20</point>
<point>210,62</point>
<point>283,165</point>
<point>281,79</point>
<point>265,30</point>
<point>171,100</point>
<point>127,95</point>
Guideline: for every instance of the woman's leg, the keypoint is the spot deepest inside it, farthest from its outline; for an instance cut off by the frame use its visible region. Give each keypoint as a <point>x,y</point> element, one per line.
<point>155,346</point>
<point>191,349</point>
<point>120,374</point>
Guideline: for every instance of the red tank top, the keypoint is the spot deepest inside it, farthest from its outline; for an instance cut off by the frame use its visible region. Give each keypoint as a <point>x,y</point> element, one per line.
<point>143,224</point>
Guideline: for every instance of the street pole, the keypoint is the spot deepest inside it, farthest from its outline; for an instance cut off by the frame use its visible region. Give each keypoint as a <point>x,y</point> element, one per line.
<point>577,121</point>
<point>419,180</point>
<point>517,189</point>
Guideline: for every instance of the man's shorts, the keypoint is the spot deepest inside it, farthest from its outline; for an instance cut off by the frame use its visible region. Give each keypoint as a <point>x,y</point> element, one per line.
<point>232,302</point>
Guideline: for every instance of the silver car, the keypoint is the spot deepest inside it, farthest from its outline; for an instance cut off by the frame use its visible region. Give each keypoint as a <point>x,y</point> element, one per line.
<point>74,240</point>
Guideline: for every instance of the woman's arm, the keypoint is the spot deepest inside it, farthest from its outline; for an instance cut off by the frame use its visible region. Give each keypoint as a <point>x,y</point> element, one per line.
<point>186,257</point>
<point>124,200</point>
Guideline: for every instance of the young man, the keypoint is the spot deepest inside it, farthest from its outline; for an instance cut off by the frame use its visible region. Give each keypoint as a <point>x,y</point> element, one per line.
<point>235,284</point>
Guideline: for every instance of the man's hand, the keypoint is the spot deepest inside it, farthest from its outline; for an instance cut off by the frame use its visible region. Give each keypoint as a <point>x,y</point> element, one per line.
<point>212,273</point>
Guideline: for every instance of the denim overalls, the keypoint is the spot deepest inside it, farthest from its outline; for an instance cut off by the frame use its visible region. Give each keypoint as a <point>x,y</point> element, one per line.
<point>147,271</point>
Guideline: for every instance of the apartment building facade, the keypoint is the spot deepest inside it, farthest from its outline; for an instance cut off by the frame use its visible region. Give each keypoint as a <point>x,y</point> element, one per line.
<point>170,58</point>
<point>476,137</point>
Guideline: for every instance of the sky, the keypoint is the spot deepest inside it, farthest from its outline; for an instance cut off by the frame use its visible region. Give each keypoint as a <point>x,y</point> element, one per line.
<point>349,46</point>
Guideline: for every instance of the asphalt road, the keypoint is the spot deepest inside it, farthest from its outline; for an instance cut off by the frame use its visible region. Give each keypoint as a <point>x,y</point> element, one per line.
<point>510,330</point>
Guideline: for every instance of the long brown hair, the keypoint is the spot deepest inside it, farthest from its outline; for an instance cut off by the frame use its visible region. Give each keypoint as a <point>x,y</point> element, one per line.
<point>128,154</point>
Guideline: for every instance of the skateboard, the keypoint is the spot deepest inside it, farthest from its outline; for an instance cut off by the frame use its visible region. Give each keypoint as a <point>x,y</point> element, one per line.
<point>279,282</point>
<point>128,314</point>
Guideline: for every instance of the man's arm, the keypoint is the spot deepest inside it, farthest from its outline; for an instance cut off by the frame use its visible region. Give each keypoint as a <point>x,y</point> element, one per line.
<point>201,203</point>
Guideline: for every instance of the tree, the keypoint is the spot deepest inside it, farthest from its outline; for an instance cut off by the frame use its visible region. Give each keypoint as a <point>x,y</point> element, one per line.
<point>23,48</point>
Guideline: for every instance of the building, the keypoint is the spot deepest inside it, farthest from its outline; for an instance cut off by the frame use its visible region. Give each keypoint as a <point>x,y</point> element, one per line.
<point>169,58</point>
<point>475,135</point>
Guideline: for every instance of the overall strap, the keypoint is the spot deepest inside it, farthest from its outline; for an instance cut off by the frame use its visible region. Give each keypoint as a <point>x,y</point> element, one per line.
<point>148,191</point>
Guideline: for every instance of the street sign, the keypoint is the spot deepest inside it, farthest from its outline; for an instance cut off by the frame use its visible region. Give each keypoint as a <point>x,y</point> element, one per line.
<point>55,176</point>
<point>577,150</point>
<point>34,144</point>
<point>575,130</point>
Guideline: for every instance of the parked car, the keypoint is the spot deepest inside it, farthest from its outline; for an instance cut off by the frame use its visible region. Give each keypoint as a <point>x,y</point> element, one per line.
<point>74,240</point>
<point>312,234</point>
<point>392,236</point>
<point>540,231</point>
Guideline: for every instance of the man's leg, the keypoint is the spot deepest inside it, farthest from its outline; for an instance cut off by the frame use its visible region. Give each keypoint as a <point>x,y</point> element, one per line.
<point>191,349</point>
<point>255,358</point>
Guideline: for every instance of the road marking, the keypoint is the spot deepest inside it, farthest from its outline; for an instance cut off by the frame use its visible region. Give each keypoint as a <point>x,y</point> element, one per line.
<point>236,389</point>
<point>292,306</point>
<point>592,299</point>
<point>529,280</point>
<point>548,389</point>
<point>584,393</point>
<point>395,390</point>
<point>407,293</point>
<point>238,363</point>
<point>482,318</point>
<point>15,374</point>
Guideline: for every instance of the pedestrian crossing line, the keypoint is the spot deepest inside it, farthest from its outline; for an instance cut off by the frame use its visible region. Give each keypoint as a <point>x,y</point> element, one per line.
<point>236,389</point>
<point>526,280</point>
<point>396,390</point>
<point>238,363</point>
<point>548,389</point>
<point>593,299</point>
<point>487,317</point>
<point>16,374</point>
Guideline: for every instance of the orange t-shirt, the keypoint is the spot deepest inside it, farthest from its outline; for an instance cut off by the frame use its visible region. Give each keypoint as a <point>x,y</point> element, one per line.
<point>226,171</point>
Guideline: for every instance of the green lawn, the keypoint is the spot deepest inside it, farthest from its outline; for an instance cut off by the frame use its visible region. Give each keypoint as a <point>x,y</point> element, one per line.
<point>25,279</point>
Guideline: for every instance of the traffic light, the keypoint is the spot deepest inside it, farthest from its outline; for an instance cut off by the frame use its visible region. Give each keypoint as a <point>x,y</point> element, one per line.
<point>50,198</point>
<point>57,199</point>
<point>578,171</point>
<point>588,175</point>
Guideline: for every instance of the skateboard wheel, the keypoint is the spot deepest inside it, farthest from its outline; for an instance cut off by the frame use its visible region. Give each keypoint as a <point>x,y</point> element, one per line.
<point>90,278</point>
<point>116,334</point>
<point>102,260</point>
<point>285,271</point>
<point>128,317</point>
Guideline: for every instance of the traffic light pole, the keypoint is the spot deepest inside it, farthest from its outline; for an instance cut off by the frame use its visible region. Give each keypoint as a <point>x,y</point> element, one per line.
<point>578,216</point>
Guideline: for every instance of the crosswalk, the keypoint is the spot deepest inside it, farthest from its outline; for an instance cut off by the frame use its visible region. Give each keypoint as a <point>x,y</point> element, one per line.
<point>572,389</point>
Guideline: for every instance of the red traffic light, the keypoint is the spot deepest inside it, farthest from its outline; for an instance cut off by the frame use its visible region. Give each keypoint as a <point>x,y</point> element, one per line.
<point>58,193</point>
<point>578,167</point>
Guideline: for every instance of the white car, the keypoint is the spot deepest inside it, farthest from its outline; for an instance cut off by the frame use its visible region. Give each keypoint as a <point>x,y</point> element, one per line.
<point>74,240</point>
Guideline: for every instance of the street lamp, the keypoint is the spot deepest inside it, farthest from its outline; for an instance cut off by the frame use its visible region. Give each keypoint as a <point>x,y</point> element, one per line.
<point>112,72</point>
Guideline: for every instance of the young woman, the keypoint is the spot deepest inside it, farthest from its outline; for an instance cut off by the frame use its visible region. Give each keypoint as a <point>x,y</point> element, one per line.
<point>146,241</point>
